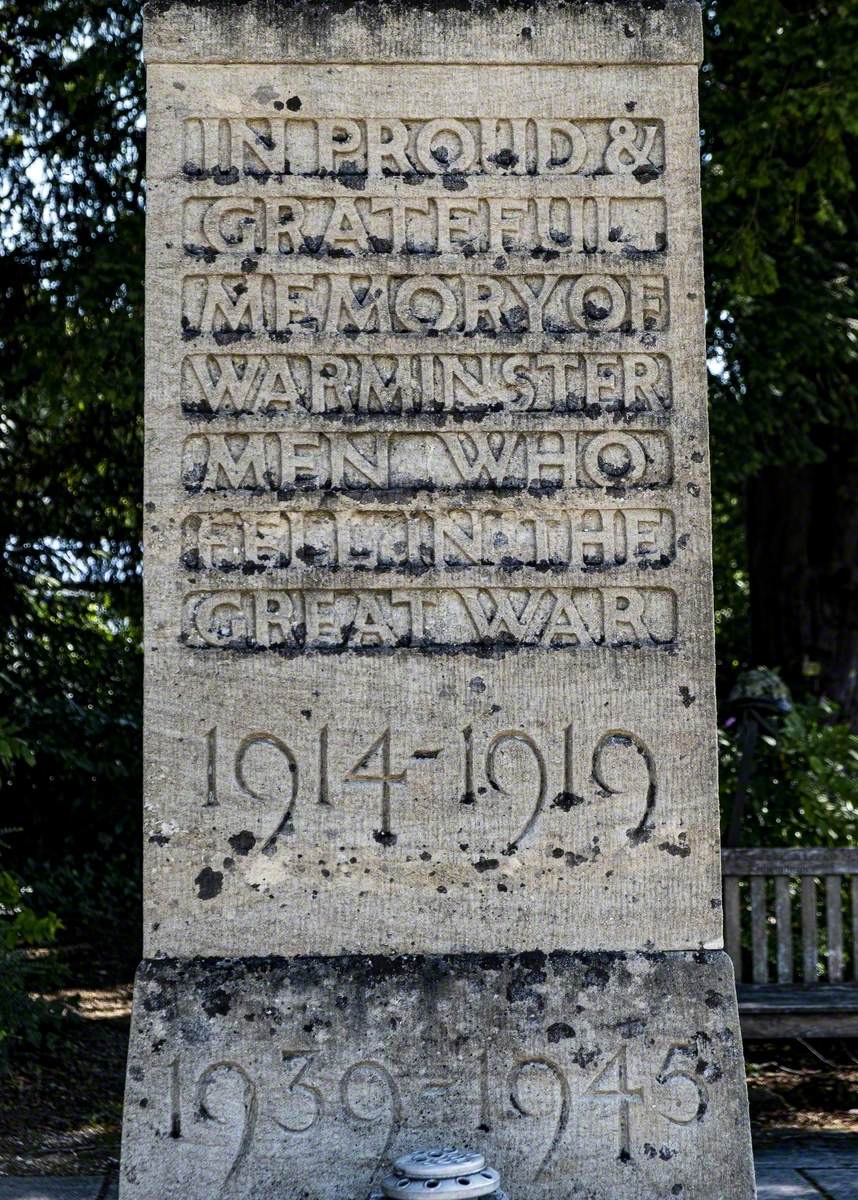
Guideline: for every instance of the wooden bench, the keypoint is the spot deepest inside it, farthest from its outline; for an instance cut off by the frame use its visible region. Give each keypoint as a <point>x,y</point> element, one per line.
<point>803,981</point>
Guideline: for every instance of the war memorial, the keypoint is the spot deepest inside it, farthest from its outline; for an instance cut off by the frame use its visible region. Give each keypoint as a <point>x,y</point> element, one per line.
<point>432,850</point>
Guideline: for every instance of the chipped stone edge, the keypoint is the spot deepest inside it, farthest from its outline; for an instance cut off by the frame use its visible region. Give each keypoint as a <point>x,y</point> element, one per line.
<point>542,32</point>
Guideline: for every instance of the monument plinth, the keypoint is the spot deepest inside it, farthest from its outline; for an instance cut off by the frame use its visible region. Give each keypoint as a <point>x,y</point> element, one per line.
<point>431,810</point>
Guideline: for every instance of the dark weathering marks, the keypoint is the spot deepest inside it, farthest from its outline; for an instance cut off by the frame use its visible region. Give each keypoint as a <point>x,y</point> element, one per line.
<point>209,883</point>
<point>485,648</point>
<point>679,850</point>
<point>242,842</point>
<point>315,12</point>
<point>216,1003</point>
<point>566,801</point>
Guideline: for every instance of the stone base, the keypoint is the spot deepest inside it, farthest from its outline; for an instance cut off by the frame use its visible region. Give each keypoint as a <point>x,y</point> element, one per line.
<point>591,1075</point>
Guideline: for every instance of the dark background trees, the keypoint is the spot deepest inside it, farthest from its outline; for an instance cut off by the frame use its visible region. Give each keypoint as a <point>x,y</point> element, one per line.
<point>779,119</point>
<point>779,114</point>
<point>71,290</point>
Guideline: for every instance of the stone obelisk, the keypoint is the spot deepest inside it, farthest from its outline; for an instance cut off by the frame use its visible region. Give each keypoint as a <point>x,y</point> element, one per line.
<point>431,809</point>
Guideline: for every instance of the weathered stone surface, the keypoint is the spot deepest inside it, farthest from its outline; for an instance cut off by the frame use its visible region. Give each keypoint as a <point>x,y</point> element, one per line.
<point>429,626</point>
<point>610,1077</point>
<point>440,31</point>
<point>429,664</point>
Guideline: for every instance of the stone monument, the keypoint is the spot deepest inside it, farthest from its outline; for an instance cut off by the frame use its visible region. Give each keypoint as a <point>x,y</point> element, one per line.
<point>431,811</point>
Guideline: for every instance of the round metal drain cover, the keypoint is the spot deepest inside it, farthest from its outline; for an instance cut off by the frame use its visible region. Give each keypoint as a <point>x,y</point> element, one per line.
<point>456,1187</point>
<point>441,1162</point>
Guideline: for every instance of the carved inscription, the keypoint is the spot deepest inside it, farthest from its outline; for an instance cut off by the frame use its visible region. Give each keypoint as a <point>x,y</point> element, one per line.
<point>262,767</point>
<point>412,541</point>
<point>539,461</point>
<point>373,1093</point>
<point>338,226</point>
<point>251,411</point>
<point>235,308</point>
<point>591,384</point>
<point>264,146</point>
<point>293,620</point>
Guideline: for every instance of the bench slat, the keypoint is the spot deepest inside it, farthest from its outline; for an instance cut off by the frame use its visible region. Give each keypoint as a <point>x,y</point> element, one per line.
<point>807,860</point>
<point>759,930</point>
<point>783,919</point>
<point>809,932</point>
<point>834,925</point>
<point>774,998</point>
<point>805,1000</point>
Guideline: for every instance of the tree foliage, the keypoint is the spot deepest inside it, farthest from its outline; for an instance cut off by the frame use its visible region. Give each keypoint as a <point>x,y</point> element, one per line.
<point>779,111</point>
<point>779,114</point>
<point>803,786</point>
<point>24,1019</point>
<point>71,208</point>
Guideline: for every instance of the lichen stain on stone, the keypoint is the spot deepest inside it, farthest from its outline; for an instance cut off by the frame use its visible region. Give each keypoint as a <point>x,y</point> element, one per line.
<point>209,883</point>
<point>678,850</point>
<point>242,842</point>
<point>217,1003</point>
<point>265,94</point>
<point>566,801</point>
